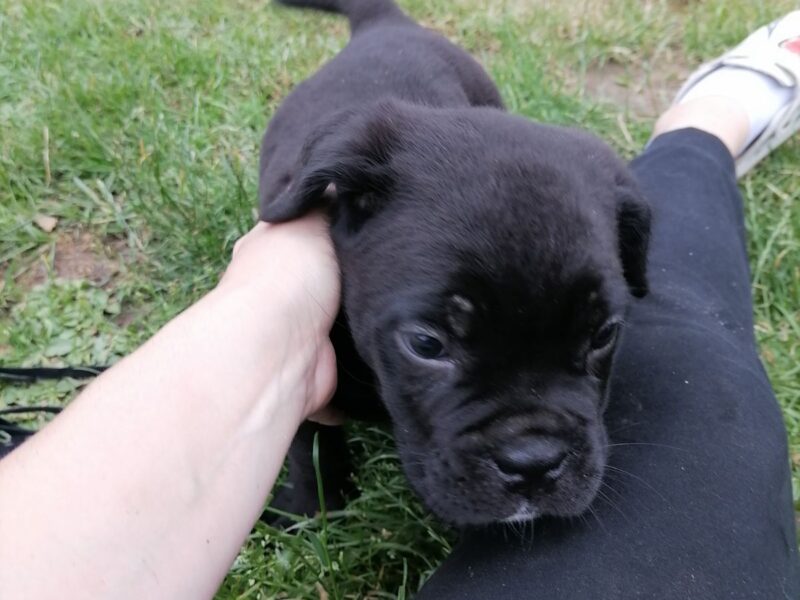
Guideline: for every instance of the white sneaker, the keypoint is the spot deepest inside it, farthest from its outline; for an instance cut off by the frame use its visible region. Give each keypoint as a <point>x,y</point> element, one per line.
<point>773,51</point>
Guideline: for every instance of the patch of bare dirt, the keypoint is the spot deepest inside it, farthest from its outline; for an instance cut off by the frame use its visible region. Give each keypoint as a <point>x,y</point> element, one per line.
<point>642,90</point>
<point>75,255</point>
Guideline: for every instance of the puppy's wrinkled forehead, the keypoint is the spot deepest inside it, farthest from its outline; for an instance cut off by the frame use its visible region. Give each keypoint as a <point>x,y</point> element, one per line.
<point>530,219</point>
<point>506,311</point>
<point>500,255</point>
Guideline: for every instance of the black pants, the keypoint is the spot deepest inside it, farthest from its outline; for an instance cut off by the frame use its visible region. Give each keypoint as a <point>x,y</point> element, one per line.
<point>697,502</point>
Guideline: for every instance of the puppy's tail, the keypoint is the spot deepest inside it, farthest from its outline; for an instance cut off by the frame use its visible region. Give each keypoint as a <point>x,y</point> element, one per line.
<point>361,13</point>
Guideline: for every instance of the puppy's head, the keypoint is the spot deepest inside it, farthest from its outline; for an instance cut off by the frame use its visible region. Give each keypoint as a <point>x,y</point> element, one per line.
<point>487,262</point>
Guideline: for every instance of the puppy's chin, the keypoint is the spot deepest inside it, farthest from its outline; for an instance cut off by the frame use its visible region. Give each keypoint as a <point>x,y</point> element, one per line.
<point>471,489</point>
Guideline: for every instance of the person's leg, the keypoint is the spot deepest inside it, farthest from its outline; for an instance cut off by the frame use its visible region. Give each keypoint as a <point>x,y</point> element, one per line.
<point>697,497</point>
<point>721,117</point>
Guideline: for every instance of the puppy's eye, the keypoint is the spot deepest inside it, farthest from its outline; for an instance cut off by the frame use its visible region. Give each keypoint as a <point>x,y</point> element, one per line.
<point>605,335</point>
<point>424,345</point>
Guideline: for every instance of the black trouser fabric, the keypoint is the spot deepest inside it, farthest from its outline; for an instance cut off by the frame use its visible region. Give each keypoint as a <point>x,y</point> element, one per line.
<point>697,501</point>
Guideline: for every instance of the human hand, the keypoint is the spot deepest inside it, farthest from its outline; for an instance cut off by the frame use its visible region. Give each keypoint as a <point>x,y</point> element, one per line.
<point>293,265</point>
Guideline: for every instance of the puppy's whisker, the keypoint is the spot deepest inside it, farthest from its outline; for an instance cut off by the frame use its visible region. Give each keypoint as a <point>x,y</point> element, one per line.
<point>607,486</point>
<point>613,505</point>
<point>639,479</point>
<point>656,445</point>
<point>597,518</point>
<point>514,527</point>
<point>532,535</point>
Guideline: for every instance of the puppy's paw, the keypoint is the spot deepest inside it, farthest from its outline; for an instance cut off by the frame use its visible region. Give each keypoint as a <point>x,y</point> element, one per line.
<point>300,503</point>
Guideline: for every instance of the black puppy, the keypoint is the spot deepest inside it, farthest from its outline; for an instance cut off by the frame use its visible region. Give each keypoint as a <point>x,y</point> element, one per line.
<point>486,263</point>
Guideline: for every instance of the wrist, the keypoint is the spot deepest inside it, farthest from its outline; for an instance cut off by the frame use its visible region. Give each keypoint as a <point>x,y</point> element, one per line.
<point>277,339</point>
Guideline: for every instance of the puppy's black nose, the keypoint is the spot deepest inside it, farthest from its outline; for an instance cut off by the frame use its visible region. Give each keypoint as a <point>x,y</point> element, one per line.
<point>533,457</point>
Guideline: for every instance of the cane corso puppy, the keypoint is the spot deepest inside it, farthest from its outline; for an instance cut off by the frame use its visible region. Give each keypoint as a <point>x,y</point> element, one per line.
<point>486,261</point>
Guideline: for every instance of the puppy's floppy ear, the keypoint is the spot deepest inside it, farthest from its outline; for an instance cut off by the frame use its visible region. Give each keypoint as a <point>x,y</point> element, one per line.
<point>633,232</point>
<point>348,159</point>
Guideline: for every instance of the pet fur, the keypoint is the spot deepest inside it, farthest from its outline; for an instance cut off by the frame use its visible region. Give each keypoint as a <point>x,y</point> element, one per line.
<point>487,262</point>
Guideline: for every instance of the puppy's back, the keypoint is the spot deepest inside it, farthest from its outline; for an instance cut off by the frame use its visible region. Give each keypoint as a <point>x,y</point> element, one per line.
<point>388,56</point>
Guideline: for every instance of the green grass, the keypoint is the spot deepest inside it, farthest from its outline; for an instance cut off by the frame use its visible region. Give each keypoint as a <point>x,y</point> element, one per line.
<point>137,123</point>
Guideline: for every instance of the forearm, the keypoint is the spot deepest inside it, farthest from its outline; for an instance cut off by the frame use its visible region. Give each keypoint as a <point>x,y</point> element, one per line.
<point>149,483</point>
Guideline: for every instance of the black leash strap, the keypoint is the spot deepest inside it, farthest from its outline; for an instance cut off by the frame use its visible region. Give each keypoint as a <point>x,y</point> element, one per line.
<point>11,434</point>
<point>13,428</point>
<point>26,375</point>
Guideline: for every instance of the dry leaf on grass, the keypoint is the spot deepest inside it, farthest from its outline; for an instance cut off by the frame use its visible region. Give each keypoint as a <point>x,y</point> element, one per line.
<point>45,222</point>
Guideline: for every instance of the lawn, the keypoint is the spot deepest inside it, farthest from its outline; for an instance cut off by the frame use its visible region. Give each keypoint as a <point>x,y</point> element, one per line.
<point>133,126</point>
